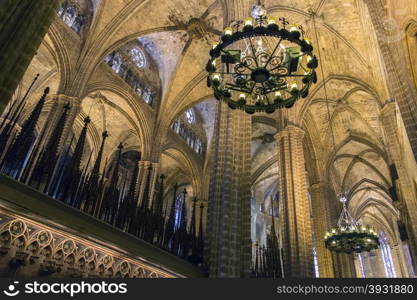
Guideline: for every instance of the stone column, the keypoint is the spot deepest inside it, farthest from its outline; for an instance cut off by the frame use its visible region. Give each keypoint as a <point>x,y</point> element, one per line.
<point>344,265</point>
<point>228,244</point>
<point>397,253</point>
<point>407,203</point>
<point>322,223</point>
<point>398,261</point>
<point>23,24</point>
<point>295,211</point>
<point>358,267</point>
<point>398,78</point>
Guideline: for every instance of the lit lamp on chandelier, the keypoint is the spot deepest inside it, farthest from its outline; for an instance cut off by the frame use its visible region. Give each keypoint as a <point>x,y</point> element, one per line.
<point>349,236</point>
<point>259,66</point>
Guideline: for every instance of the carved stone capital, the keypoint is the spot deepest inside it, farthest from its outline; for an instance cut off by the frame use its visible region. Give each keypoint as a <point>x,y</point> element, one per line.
<point>292,130</point>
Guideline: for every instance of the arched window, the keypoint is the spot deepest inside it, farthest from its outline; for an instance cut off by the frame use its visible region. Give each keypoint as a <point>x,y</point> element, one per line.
<point>316,263</point>
<point>116,62</point>
<point>138,89</point>
<point>197,145</point>
<point>176,126</point>
<point>121,66</point>
<point>122,70</point>
<point>190,116</point>
<point>147,96</point>
<point>70,15</point>
<point>386,255</point>
<point>187,132</point>
<point>78,24</point>
<point>179,202</point>
<point>138,57</point>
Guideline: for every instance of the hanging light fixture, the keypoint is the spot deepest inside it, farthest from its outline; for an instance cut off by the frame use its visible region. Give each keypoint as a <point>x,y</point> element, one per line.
<point>349,236</point>
<point>259,66</point>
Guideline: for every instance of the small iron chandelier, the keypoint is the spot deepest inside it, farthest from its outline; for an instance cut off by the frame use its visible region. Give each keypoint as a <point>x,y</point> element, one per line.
<point>349,236</point>
<point>259,66</point>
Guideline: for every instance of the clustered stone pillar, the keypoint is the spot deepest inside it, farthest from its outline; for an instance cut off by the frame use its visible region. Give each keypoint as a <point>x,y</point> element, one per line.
<point>228,252</point>
<point>398,79</point>
<point>322,223</point>
<point>23,24</point>
<point>406,203</point>
<point>295,206</point>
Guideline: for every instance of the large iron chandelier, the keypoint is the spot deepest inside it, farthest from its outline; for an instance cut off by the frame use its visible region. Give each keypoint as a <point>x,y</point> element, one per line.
<point>259,66</point>
<point>349,236</point>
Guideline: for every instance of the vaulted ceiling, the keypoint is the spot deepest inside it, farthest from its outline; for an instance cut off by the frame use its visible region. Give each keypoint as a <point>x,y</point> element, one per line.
<point>341,115</point>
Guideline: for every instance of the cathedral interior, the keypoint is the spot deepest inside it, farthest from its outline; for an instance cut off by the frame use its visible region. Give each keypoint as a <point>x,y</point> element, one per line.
<point>117,160</point>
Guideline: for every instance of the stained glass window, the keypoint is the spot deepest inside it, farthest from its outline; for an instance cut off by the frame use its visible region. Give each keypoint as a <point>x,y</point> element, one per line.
<point>147,96</point>
<point>178,209</point>
<point>116,63</point>
<point>361,265</point>
<point>408,260</point>
<point>386,255</point>
<point>78,23</point>
<point>138,57</point>
<point>187,133</point>
<point>316,263</point>
<point>71,16</point>
<point>198,146</point>
<point>190,116</point>
<point>121,66</point>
